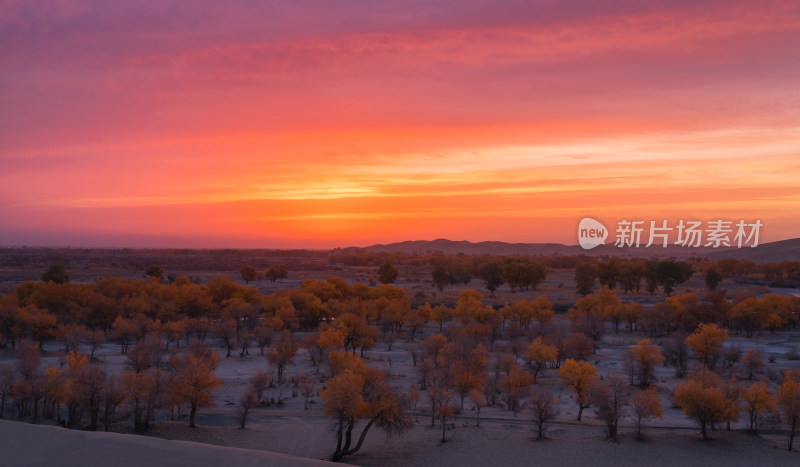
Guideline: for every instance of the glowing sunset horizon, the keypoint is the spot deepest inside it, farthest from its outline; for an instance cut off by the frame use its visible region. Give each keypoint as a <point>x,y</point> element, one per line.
<point>323,124</point>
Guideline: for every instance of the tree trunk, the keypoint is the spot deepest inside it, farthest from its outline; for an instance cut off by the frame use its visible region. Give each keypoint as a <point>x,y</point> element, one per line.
<point>444,430</point>
<point>192,413</point>
<point>580,412</point>
<point>339,429</point>
<point>345,451</point>
<point>245,411</point>
<point>361,438</point>
<point>93,422</point>
<point>791,433</point>
<point>348,435</point>
<point>107,413</point>
<point>137,418</point>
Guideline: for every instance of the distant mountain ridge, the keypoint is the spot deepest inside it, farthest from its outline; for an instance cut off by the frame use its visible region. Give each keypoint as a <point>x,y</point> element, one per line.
<point>767,252</point>
<point>773,252</point>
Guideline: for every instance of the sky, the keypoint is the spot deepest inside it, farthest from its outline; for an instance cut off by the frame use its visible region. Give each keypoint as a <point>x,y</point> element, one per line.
<point>317,124</point>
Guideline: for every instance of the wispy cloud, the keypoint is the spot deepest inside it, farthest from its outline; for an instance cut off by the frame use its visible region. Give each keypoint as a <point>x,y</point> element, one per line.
<point>318,119</point>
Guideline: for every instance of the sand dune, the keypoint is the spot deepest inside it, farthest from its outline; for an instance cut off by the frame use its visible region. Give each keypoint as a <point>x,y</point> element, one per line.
<point>37,445</point>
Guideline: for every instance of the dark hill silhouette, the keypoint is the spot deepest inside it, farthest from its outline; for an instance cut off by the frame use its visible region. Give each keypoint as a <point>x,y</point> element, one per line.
<point>773,252</point>
<point>767,252</point>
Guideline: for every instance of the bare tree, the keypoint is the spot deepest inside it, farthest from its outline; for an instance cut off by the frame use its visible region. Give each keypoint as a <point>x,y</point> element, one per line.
<point>645,404</point>
<point>258,383</point>
<point>90,382</point>
<point>144,392</point>
<point>676,353</point>
<point>112,398</point>
<point>95,340</point>
<point>307,389</point>
<point>6,385</point>
<point>542,404</point>
<point>263,336</point>
<point>146,354</point>
<point>225,330</point>
<point>71,336</point>
<point>243,343</point>
<point>752,362</point>
<point>610,398</point>
<point>478,401</point>
<point>28,361</point>
<point>248,402</point>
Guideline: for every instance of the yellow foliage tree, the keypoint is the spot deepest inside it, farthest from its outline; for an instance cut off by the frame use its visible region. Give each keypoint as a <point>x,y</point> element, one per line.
<point>515,387</point>
<point>520,312</point>
<point>752,361</point>
<point>331,339</point>
<point>539,354</point>
<point>143,393</point>
<point>194,378</point>
<point>470,308</point>
<point>645,404</point>
<point>706,341</point>
<point>703,399</point>
<point>589,313</point>
<point>646,357</point>
<point>579,376</point>
<point>789,401</point>
<point>467,374</point>
<point>282,352</point>
<point>758,401</point>
<point>632,312</point>
<point>542,311</point>
<point>360,393</point>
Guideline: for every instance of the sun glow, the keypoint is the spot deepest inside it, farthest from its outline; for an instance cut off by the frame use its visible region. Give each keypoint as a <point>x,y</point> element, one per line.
<point>506,124</point>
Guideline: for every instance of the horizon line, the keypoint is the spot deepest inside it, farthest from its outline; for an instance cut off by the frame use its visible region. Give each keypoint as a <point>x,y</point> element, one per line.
<point>121,247</point>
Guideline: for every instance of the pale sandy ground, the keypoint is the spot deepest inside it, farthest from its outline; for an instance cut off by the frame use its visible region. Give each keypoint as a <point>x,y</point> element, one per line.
<point>501,439</point>
<point>500,443</point>
<point>504,440</point>
<point>494,443</point>
<point>23,444</point>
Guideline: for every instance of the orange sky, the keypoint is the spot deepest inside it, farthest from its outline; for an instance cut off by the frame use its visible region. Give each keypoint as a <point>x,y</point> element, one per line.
<point>323,124</point>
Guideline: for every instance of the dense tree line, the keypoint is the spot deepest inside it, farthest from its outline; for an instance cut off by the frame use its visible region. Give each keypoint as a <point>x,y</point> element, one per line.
<point>631,275</point>
<point>360,257</point>
<point>519,273</point>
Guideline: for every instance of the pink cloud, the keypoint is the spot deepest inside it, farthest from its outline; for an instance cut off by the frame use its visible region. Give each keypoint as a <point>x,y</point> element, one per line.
<point>106,101</point>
